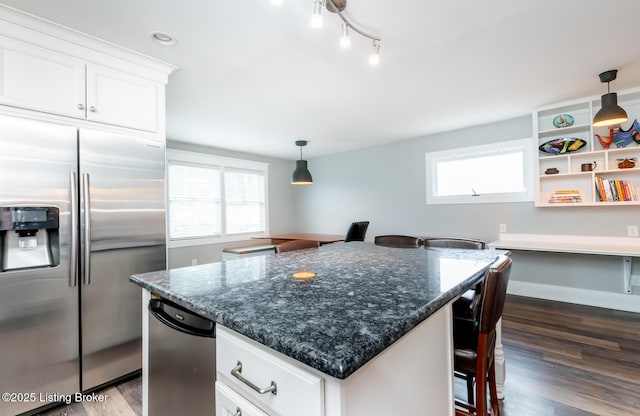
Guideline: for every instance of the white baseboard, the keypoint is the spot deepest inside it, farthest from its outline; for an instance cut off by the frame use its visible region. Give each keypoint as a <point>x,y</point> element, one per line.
<point>601,299</point>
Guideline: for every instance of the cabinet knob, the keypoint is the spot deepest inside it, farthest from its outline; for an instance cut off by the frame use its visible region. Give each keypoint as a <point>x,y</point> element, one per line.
<point>80,106</point>
<point>238,412</point>
<point>92,109</point>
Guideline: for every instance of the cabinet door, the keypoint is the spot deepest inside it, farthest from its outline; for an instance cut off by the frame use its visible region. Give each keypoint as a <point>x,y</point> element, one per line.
<point>41,80</point>
<point>121,99</point>
<point>230,403</point>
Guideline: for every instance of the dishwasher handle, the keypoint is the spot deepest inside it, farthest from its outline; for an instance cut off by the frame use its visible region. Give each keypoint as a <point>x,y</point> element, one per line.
<point>181,319</point>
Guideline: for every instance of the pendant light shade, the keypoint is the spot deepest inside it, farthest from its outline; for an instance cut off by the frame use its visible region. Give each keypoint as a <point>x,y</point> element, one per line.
<point>301,176</point>
<point>610,113</point>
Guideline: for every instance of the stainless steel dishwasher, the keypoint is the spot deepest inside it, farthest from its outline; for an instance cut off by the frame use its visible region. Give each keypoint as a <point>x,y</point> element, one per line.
<point>182,361</point>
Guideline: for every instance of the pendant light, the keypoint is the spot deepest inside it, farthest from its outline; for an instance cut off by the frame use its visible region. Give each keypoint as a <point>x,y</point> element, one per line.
<point>301,176</point>
<point>610,113</point>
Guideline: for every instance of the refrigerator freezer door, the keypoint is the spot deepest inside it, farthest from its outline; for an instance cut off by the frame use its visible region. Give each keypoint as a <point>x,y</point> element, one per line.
<point>38,306</point>
<point>123,212</point>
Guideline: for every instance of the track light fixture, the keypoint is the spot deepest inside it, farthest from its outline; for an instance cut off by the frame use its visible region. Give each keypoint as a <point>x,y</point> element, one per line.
<point>610,113</point>
<point>301,176</point>
<point>374,58</point>
<point>345,40</point>
<point>316,17</point>
<point>337,7</point>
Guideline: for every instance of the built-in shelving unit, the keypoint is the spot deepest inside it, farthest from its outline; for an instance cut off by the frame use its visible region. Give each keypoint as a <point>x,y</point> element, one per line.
<point>570,176</point>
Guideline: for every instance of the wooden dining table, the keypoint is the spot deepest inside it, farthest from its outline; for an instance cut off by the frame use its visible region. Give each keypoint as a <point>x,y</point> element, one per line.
<point>320,238</point>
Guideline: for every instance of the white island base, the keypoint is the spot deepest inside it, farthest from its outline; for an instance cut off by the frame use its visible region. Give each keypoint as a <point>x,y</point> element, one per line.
<point>413,376</point>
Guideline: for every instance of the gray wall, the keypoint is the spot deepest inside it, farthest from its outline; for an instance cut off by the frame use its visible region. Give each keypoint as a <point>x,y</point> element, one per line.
<point>386,185</point>
<point>281,206</point>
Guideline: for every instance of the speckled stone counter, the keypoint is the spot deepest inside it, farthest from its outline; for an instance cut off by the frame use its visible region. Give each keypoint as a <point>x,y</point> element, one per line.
<point>363,297</point>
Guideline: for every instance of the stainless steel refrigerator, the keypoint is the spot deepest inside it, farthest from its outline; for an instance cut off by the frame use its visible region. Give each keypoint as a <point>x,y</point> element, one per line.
<point>80,211</point>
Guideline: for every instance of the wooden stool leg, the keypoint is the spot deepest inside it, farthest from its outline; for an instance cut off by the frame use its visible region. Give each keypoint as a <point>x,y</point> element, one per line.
<point>493,391</point>
<point>481,395</point>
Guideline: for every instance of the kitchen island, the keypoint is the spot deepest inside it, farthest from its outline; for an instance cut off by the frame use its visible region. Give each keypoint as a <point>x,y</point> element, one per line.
<point>369,334</point>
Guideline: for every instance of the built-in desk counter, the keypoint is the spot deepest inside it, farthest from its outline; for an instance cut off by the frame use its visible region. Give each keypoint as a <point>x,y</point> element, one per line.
<point>625,247</point>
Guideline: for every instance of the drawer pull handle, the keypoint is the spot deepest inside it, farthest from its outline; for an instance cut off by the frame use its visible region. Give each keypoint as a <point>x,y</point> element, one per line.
<point>237,373</point>
<point>238,412</point>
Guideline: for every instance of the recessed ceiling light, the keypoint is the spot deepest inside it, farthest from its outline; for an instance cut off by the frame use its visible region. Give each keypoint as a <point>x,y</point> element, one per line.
<point>162,38</point>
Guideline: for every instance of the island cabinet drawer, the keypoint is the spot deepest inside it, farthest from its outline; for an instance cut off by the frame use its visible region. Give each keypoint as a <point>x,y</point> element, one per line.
<point>230,403</point>
<point>266,379</point>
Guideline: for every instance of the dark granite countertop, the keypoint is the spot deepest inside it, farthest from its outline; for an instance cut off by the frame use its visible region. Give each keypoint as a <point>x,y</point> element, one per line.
<point>363,298</point>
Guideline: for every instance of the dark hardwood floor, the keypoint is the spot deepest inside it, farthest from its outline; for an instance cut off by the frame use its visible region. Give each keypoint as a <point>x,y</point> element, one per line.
<point>562,360</point>
<point>125,399</point>
<point>570,360</point>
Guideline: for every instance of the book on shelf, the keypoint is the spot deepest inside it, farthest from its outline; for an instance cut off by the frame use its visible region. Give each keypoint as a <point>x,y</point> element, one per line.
<point>565,196</point>
<point>614,190</point>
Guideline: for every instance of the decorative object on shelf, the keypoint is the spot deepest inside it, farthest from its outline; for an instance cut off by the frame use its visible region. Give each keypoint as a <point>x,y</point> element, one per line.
<point>610,113</point>
<point>622,138</point>
<point>301,176</point>
<point>562,145</point>
<point>563,120</point>
<point>565,196</point>
<point>551,171</point>
<point>588,167</point>
<point>605,141</point>
<point>627,163</point>
<point>337,7</point>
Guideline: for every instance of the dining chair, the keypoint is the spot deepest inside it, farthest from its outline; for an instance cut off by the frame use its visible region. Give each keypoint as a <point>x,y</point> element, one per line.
<point>401,241</point>
<point>357,231</point>
<point>296,245</point>
<point>474,343</point>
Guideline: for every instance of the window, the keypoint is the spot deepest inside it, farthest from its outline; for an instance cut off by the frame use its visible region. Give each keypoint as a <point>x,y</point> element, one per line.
<point>244,202</point>
<point>213,199</point>
<point>497,172</point>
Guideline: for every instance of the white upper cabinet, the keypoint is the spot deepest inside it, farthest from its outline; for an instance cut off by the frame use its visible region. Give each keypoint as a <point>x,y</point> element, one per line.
<point>48,71</point>
<point>41,80</point>
<point>115,97</point>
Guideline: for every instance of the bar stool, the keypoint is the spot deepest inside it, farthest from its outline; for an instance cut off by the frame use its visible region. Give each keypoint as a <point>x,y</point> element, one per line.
<point>401,241</point>
<point>474,343</point>
<point>467,305</point>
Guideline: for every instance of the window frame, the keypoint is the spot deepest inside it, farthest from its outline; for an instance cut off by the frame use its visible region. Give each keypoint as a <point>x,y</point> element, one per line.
<point>473,152</point>
<point>184,157</point>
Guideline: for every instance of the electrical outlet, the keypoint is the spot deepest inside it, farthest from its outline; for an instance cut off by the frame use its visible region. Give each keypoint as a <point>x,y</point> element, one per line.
<point>503,228</point>
<point>632,230</point>
<point>194,262</point>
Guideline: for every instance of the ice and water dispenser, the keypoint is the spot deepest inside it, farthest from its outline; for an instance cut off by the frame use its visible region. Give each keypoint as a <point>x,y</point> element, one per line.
<point>29,237</point>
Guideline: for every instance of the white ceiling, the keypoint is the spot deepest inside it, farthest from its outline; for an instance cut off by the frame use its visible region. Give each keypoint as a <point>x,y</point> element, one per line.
<point>254,77</point>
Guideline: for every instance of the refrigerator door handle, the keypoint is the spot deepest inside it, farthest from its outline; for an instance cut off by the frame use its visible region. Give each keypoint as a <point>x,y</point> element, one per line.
<point>73,255</point>
<point>86,206</point>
